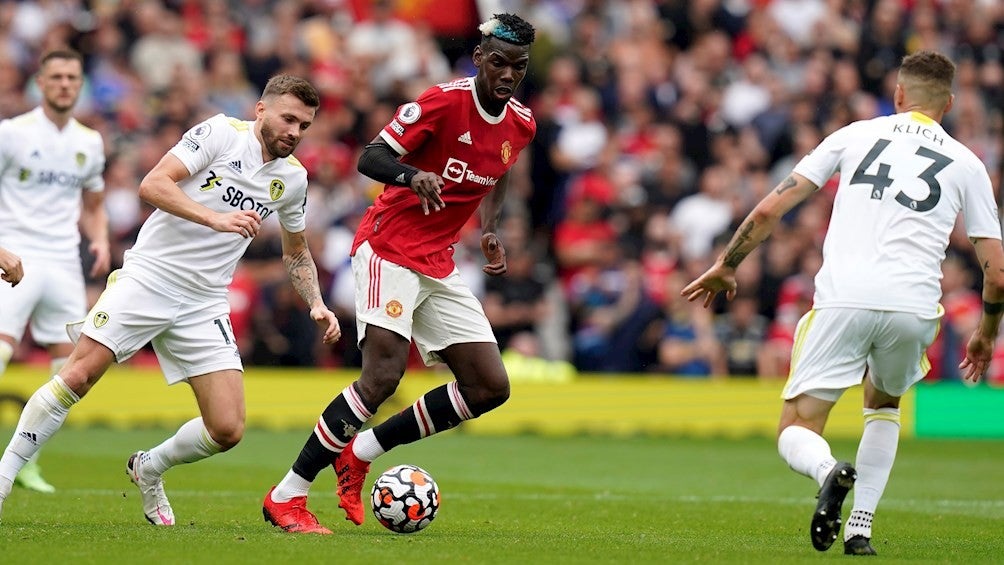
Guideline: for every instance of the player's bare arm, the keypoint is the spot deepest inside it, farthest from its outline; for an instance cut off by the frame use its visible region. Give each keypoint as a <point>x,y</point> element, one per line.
<point>10,264</point>
<point>303,276</point>
<point>380,162</point>
<point>160,188</point>
<point>94,223</point>
<point>980,348</point>
<point>491,245</point>
<point>753,231</point>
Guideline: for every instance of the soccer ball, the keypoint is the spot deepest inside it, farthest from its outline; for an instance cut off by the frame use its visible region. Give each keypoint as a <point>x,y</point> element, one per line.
<point>405,499</point>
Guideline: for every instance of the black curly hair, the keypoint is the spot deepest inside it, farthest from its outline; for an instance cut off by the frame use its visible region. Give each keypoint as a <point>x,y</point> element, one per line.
<point>509,28</point>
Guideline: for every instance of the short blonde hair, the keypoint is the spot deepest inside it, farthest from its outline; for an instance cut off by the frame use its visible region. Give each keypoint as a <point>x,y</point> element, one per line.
<point>927,76</point>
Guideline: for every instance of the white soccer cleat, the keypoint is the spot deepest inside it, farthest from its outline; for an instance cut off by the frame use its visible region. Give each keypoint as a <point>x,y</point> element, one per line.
<point>156,507</point>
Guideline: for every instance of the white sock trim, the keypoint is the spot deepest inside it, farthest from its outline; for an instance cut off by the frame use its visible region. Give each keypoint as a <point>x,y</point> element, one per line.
<point>366,447</point>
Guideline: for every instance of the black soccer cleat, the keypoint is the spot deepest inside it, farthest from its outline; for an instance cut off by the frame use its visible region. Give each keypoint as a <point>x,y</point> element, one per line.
<point>826,520</point>
<point>859,545</point>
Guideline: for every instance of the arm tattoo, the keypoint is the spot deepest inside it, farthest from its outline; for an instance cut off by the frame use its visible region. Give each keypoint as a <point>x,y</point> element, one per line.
<point>303,275</point>
<point>734,254</point>
<point>786,184</point>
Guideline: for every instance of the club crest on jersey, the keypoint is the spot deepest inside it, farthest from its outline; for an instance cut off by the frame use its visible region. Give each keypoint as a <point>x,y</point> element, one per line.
<point>275,189</point>
<point>394,309</point>
<point>81,158</point>
<point>506,151</point>
<point>24,174</point>
<point>409,113</point>
<point>100,319</point>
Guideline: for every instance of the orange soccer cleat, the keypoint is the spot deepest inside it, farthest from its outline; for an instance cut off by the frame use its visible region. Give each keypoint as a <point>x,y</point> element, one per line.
<point>351,473</point>
<point>291,516</point>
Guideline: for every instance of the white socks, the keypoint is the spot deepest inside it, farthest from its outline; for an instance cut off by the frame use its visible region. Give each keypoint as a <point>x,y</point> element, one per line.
<point>290,487</point>
<point>42,416</point>
<point>6,353</point>
<point>366,447</point>
<point>876,455</point>
<point>189,444</point>
<point>806,452</point>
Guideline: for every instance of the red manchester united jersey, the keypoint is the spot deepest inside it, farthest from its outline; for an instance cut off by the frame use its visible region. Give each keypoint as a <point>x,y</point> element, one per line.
<point>445,131</point>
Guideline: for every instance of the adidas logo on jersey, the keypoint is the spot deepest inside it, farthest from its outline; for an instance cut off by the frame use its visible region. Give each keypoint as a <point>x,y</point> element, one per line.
<point>465,138</point>
<point>30,436</point>
<point>235,165</point>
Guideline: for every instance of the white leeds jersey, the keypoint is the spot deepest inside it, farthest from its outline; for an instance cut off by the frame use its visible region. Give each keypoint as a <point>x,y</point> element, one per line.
<point>224,159</point>
<point>903,181</point>
<point>43,171</point>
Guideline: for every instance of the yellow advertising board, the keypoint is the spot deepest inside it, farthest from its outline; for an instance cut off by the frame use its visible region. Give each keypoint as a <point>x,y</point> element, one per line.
<point>129,397</point>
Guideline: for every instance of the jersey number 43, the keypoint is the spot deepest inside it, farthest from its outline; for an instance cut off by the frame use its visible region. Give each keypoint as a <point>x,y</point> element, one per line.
<point>881,179</point>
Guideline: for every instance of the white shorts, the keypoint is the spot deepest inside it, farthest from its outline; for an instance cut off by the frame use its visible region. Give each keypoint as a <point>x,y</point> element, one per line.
<point>50,295</point>
<point>834,346</point>
<point>436,313</point>
<point>191,337</point>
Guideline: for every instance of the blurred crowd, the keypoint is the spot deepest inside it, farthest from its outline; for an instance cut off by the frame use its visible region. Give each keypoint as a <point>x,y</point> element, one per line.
<point>660,124</point>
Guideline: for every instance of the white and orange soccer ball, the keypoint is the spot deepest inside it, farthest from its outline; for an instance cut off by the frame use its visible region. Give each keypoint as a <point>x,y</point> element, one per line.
<point>405,499</point>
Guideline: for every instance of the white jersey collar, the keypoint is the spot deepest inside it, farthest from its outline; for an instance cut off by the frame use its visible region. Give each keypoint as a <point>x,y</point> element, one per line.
<point>484,113</point>
<point>42,118</point>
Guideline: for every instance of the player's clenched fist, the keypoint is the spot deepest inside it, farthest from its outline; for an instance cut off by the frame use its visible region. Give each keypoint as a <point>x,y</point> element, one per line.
<point>243,222</point>
<point>10,264</point>
<point>491,246</point>
<point>428,187</point>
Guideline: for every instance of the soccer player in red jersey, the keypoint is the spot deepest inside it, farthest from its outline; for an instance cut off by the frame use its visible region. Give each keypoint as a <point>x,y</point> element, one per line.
<point>443,157</point>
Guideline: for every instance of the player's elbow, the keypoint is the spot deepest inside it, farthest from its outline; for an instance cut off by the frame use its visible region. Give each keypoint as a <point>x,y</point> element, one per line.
<point>765,215</point>
<point>369,160</point>
<point>148,190</point>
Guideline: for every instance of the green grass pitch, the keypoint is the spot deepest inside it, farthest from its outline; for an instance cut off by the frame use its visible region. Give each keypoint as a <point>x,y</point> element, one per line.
<point>522,499</point>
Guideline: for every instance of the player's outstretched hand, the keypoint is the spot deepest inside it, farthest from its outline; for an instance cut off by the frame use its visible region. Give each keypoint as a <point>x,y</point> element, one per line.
<point>328,322</point>
<point>10,264</point>
<point>428,186</point>
<point>245,223</point>
<point>717,279</point>
<point>491,246</point>
<point>979,352</point>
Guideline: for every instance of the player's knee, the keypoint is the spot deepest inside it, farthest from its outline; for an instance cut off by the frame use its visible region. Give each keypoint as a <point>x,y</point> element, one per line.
<point>77,379</point>
<point>376,388</point>
<point>488,396</point>
<point>227,434</point>
<point>380,377</point>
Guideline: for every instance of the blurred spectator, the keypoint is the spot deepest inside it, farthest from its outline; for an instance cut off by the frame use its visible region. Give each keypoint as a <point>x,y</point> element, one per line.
<point>741,331</point>
<point>689,346</point>
<point>584,239</point>
<point>612,317</point>
<point>698,219</point>
<point>162,55</point>
<point>516,302</point>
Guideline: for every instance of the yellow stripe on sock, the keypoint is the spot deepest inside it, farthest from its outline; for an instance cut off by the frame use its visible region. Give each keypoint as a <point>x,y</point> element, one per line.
<point>888,417</point>
<point>209,442</point>
<point>64,396</point>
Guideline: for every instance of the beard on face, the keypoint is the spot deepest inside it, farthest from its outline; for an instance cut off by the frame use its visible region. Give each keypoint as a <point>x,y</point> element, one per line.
<point>272,144</point>
<point>56,105</point>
